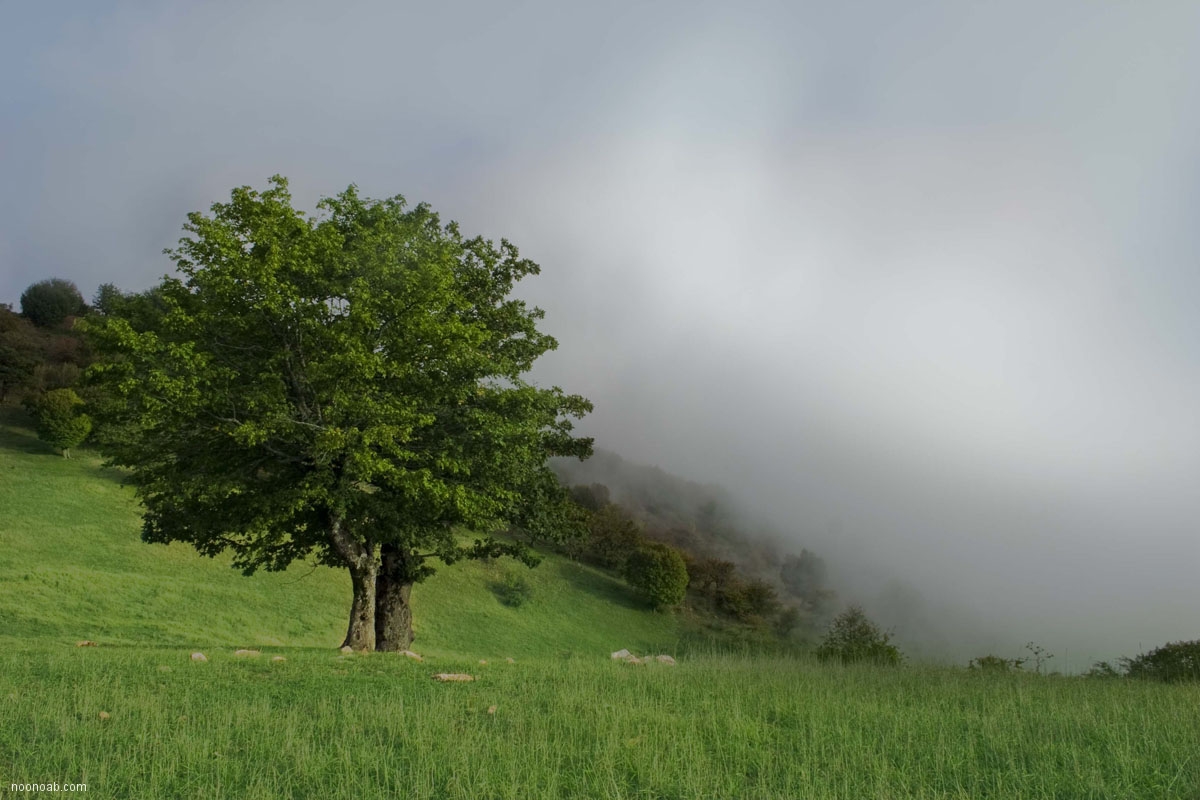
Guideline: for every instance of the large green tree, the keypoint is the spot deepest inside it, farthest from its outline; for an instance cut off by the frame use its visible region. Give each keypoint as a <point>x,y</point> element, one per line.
<point>347,386</point>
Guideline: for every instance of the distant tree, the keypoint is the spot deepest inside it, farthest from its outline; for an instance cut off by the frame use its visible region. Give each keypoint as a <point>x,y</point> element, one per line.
<point>48,303</point>
<point>59,420</point>
<point>760,598</point>
<point>995,664</point>
<point>593,497</point>
<point>612,537</point>
<point>20,353</point>
<point>711,578</point>
<point>1103,669</point>
<point>852,637</point>
<point>682,538</point>
<point>1175,662</point>
<point>144,311</point>
<point>803,575</point>
<point>348,385</point>
<point>657,573</point>
<point>786,621</point>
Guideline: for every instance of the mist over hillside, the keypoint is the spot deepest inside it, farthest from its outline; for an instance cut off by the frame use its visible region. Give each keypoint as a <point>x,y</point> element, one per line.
<point>915,282</point>
<point>928,626</point>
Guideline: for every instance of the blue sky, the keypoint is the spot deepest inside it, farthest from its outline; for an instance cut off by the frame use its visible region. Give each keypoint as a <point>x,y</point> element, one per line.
<point>922,274</point>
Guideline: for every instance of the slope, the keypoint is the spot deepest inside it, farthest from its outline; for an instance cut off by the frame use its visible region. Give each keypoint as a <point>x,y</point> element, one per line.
<point>72,567</point>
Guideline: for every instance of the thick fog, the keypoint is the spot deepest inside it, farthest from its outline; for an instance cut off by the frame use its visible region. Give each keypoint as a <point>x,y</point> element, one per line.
<point>917,281</point>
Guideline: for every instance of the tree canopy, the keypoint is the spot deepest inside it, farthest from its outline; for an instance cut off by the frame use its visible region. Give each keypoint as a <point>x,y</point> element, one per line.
<point>48,303</point>
<point>347,386</point>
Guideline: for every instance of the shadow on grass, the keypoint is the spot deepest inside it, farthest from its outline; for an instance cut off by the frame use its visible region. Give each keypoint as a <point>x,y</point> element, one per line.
<point>17,433</point>
<point>602,586</point>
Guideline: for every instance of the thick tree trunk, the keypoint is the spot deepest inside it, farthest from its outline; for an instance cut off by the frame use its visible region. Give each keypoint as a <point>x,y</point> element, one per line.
<point>393,614</point>
<point>361,633</point>
<point>363,562</point>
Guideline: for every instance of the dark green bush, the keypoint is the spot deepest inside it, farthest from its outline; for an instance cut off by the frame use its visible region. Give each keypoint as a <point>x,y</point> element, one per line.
<point>995,664</point>
<point>1174,662</point>
<point>1102,669</point>
<point>512,590</point>
<point>48,303</point>
<point>658,573</point>
<point>611,538</point>
<point>852,637</point>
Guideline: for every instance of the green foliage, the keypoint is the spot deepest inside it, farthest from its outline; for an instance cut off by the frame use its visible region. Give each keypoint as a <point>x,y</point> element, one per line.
<point>714,581</point>
<point>1174,662</point>
<point>593,497</point>
<point>144,311</point>
<point>333,385</point>
<point>612,537</point>
<point>59,420</point>
<point>786,621</point>
<point>1103,669</point>
<point>513,590</point>
<point>20,352</point>
<point>992,663</point>
<point>658,573</point>
<point>48,303</point>
<point>852,637</point>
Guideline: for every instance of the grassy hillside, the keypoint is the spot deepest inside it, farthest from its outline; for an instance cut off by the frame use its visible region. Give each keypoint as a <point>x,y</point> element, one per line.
<point>72,566</point>
<point>136,717</point>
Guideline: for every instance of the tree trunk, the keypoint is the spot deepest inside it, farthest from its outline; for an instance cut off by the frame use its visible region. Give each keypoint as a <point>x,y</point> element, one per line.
<point>363,562</point>
<point>393,614</point>
<point>361,633</point>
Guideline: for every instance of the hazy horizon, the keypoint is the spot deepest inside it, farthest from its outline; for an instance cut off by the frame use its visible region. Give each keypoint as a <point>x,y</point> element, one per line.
<point>917,282</point>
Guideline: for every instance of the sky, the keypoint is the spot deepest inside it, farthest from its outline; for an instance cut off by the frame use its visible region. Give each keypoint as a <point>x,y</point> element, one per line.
<point>915,280</point>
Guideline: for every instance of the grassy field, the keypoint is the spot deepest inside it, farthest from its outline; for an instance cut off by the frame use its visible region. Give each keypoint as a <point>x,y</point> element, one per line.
<point>567,722</point>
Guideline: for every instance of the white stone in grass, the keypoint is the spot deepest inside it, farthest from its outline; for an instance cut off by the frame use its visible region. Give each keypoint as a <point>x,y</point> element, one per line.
<point>620,654</point>
<point>412,655</point>
<point>510,661</point>
<point>247,653</point>
<point>665,659</point>
<point>347,649</point>
<point>199,657</point>
<point>453,677</point>
<point>278,658</point>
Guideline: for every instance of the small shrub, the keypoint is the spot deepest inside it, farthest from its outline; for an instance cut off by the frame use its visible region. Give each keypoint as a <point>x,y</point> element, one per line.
<point>658,573</point>
<point>1174,662</point>
<point>787,620</point>
<point>1038,655</point>
<point>852,637</point>
<point>995,664</point>
<point>513,590</point>
<point>1102,669</point>
<point>59,422</point>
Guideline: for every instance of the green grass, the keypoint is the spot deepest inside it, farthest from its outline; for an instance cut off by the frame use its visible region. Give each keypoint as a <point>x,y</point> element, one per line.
<point>568,722</point>
<point>72,566</point>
